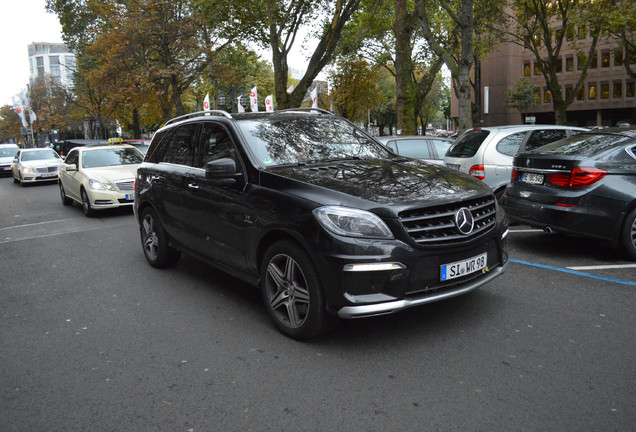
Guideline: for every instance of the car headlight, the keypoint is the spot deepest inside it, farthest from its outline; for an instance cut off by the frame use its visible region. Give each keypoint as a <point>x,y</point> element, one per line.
<point>28,170</point>
<point>97,185</point>
<point>352,222</point>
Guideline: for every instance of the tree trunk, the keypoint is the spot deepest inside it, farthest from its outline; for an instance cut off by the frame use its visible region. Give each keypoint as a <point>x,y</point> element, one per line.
<point>403,28</point>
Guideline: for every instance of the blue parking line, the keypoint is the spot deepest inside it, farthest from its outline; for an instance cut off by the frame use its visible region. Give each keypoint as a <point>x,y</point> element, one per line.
<point>578,273</point>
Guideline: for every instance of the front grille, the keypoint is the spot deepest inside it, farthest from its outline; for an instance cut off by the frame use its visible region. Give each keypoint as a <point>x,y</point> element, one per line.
<point>125,185</point>
<point>46,169</point>
<point>435,225</point>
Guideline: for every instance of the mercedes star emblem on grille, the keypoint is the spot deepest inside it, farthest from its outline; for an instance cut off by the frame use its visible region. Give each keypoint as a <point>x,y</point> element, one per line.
<point>464,221</point>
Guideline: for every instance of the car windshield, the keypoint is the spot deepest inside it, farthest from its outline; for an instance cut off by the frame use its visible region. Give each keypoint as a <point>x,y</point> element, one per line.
<point>110,157</point>
<point>468,144</point>
<point>39,155</point>
<point>8,152</point>
<point>307,139</point>
<point>582,144</point>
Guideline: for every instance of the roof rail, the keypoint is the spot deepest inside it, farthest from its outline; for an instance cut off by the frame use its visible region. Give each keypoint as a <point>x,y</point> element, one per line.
<point>320,110</point>
<point>198,114</point>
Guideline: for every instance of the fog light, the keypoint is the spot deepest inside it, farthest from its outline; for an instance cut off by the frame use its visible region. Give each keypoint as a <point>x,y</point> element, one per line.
<point>373,267</point>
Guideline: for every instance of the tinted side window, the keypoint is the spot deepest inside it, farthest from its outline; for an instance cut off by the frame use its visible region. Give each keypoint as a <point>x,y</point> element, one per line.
<point>215,144</point>
<point>180,149</point>
<point>72,158</point>
<point>414,148</point>
<point>468,144</point>
<point>158,146</point>
<point>542,137</point>
<point>510,145</point>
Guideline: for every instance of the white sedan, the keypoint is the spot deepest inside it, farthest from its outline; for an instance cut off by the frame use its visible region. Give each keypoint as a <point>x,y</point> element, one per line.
<point>99,177</point>
<point>35,165</point>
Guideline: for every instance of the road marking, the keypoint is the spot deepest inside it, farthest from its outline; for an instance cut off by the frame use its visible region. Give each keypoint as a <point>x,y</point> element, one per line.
<point>604,267</point>
<point>578,273</point>
<point>87,225</point>
<point>35,224</point>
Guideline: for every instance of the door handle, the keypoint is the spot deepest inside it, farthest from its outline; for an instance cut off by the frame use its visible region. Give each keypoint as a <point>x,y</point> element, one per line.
<point>193,186</point>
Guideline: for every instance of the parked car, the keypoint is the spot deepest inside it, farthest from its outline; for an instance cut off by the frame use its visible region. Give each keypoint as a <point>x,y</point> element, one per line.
<point>7,154</point>
<point>313,210</point>
<point>99,177</point>
<point>35,165</point>
<point>428,148</point>
<point>486,153</point>
<point>584,186</point>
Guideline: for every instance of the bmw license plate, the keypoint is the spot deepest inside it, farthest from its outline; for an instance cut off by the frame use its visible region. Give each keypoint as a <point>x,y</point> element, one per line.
<point>463,267</point>
<point>532,178</point>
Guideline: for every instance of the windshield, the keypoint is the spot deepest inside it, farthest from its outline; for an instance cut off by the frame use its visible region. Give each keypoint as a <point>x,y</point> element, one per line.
<point>582,144</point>
<point>8,152</point>
<point>307,139</point>
<point>39,155</point>
<point>110,157</point>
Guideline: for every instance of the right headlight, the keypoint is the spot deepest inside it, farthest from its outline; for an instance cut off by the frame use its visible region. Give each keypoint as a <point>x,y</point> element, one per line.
<point>352,222</point>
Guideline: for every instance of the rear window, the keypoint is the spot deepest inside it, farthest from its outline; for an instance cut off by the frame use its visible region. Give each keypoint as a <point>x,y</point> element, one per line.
<point>583,145</point>
<point>467,145</point>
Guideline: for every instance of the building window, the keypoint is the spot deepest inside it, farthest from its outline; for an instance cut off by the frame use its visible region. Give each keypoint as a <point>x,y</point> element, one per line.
<point>594,61</point>
<point>582,33</point>
<point>569,64</point>
<point>569,34</point>
<point>537,69</point>
<point>40,65</point>
<point>632,56</point>
<point>569,91</point>
<point>581,58</point>
<point>537,98</point>
<point>604,90</point>
<point>54,62</point>
<point>581,95</point>
<point>558,35</point>
<point>559,65</point>
<point>537,40</point>
<point>547,96</point>
<point>591,93</point>
<point>618,89</point>
<point>630,89</point>
<point>618,58</point>
<point>605,59</point>
<point>526,69</point>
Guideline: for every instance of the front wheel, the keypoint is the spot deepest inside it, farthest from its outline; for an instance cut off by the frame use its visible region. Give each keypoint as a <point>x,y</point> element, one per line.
<point>86,205</point>
<point>65,200</point>
<point>154,241</point>
<point>292,291</point>
<point>628,235</point>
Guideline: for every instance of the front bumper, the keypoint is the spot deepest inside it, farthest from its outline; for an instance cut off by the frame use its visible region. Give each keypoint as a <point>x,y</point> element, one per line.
<point>104,199</point>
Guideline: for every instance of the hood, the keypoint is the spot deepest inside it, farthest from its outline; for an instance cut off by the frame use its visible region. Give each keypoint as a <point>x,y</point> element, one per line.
<point>113,173</point>
<point>7,160</point>
<point>371,184</point>
<point>42,163</point>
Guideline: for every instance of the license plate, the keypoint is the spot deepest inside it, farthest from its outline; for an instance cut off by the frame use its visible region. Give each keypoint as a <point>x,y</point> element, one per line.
<point>532,178</point>
<point>130,197</point>
<point>453,166</point>
<point>6,168</point>
<point>47,175</point>
<point>463,267</point>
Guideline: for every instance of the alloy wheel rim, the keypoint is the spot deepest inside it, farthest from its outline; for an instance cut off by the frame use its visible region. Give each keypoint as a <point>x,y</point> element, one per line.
<point>634,233</point>
<point>85,202</point>
<point>150,239</point>
<point>287,291</point>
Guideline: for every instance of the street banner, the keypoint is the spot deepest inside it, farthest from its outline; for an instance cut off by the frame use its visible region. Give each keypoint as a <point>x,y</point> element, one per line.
<point>254,100</point>
<point>19,109</point>
<point>206,102</point>
<point>269,103</point>
<point>32,116</point>
<point>314,98</point>
<point>240,107</point>
<point>25,97</point>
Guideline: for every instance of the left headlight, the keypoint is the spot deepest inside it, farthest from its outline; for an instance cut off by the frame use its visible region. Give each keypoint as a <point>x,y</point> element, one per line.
<point>97,185</point>
<point>352,222</point>
<point>28,170</point>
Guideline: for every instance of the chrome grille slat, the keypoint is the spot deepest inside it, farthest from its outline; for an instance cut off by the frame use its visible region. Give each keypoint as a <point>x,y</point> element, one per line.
<point>436,225</point>
<point>125,185</point>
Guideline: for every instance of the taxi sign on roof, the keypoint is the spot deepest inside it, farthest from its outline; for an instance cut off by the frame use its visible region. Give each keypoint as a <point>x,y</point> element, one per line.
<point>115,140</point>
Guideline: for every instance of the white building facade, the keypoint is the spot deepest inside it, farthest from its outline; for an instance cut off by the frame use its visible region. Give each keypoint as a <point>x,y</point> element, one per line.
<point>53,59</point>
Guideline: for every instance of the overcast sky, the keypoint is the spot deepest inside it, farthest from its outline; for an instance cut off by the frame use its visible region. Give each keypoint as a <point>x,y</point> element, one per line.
<point>21,23</point>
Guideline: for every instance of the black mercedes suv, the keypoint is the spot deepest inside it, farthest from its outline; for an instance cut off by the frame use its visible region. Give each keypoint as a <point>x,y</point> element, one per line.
<point>325,220</point>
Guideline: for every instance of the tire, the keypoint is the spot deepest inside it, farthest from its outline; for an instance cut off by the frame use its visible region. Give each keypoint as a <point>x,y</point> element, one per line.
<point>628,235</point>
<point>65,200</point>
<point>15,179</point>
<point>292,291</point>
<point>154,241</point>
<point>86,204</point>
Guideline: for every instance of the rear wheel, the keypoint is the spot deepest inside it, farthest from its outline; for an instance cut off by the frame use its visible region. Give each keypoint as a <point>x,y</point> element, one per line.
<point>154,241</point>
<point>292,291</point>
<point>628,235</point>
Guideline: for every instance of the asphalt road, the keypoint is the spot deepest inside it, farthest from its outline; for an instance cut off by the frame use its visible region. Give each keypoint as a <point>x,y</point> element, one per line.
<point>94,339</point>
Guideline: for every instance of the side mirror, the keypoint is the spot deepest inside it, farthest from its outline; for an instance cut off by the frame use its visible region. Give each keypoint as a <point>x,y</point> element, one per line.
<point>70,167</point>
<point>15,160</point>
<point>220,169</point>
